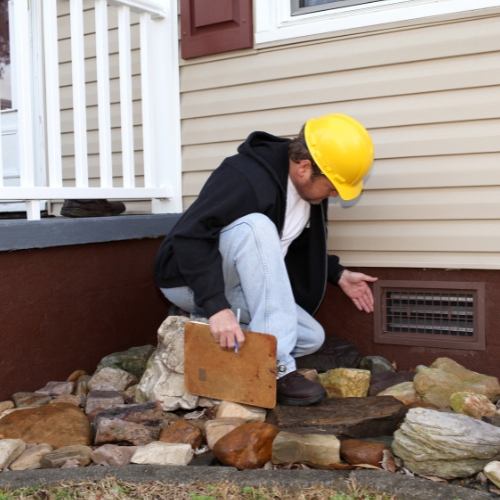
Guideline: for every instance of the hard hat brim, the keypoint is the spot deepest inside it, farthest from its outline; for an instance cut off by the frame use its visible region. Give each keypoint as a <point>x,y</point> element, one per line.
<point>347,192</point>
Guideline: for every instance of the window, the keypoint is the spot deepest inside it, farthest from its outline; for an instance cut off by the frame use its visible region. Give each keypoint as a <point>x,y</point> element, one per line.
<point>308,6</point>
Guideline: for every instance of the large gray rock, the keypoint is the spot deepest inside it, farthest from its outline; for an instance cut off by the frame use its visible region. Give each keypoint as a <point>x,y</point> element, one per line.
<point>376,364</point>
<point>163,379</point>
<point>133,360</point>
<point>447,445</point>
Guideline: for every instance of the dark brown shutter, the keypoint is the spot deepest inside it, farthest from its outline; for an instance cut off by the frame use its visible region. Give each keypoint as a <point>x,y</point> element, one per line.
<point>213,26</point>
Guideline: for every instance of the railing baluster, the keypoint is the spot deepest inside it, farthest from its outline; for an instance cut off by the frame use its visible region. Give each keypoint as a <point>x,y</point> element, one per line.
<point>103,98</point>
<point>147,129</point>
<point>53,113</point>
<point>127,124</point>
<point>79,106</point>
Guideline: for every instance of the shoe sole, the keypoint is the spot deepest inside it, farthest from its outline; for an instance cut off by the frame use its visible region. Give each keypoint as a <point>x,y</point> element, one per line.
<point>76,212</point>
<point>302,401</point>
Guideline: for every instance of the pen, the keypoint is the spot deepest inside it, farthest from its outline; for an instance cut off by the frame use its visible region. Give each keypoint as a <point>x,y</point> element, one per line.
<point>236,342</point>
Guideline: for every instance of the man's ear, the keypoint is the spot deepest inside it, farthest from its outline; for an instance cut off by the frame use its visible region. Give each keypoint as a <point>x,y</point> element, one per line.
<point>304,168</point>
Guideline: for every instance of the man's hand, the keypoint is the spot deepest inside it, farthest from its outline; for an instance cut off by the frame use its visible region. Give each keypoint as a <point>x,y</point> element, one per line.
<point>226,329</point>
<point>356,288</point>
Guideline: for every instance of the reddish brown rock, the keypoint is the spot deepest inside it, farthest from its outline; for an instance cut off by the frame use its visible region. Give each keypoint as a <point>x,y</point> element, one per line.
<point>422,404</point>
<point>114,430</point>
<point>76,375</point>
<point>355,452</point>
<point>146,413</point>
<point>113,454</point>
<point>182,431</point>
<point>249,446</point>
<point>59,425</point>
<point>91,416</point>
<point>68,398</point>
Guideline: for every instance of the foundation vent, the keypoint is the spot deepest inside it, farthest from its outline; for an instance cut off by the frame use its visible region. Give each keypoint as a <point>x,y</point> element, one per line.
<point>430,313</point>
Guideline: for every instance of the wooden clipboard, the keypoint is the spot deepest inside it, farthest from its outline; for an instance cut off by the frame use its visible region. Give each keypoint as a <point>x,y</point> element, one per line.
<point>248,377</point>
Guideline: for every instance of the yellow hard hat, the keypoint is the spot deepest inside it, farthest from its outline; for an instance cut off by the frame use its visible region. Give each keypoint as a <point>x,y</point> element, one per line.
<point>343,150</point>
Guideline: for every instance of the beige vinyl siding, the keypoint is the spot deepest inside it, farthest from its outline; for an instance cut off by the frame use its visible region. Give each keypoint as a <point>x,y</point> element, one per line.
<point>430,97</point>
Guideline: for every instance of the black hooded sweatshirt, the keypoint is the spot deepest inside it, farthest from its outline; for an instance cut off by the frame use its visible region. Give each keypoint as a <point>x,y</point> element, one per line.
<point>252,181</point>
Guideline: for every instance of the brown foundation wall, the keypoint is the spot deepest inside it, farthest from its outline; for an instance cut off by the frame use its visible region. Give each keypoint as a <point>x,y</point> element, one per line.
<point>64,308</point>
<point>340,317</point>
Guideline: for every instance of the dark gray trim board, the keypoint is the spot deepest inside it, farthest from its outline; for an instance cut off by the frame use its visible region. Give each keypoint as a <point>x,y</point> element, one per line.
<point>24,234</point>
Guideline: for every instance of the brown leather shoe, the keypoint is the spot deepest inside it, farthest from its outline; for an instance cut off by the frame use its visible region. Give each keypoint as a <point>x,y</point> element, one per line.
<point>92,208</point>
<point>294,389</point>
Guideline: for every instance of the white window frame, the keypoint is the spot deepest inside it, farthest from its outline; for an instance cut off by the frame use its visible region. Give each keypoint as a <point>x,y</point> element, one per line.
<point>274,21</point>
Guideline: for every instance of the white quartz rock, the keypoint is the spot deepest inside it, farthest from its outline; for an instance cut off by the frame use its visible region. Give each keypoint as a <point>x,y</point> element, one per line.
<point>157,453</point>
<point>492,471</point>
<point>248,413</point>
<point>10,449</point>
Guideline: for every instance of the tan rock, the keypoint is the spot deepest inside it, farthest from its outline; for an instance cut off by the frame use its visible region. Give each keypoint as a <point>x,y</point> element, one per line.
<point>76,375</point>
<point>113,454</point>
<point>6,405</point>
<point>444,377</point>
<point>249,414</point>
<point>219,427</point>
<point>492,472</point>
<point>249,446</point>
<point>10,449</point>
<point>30,457</point>
<point>54,389</point>
<point>355,451</point>
<point>163,454</point>
<point>130,392</point>
<point>309,374</point>
<point>182,431</point>
<point>345,382</point>
<point>315,450</point>
<point>59,425</point>
<point>58,458</point>
<point>474,405</point>
<point>114,430</point>
<point>404,392</point>
<point>81,386</point>
<point>109,379</point>
<point>69,399</point>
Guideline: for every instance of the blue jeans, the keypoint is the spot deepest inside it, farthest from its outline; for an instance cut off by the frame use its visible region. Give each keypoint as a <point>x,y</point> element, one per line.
<point>256,282</point>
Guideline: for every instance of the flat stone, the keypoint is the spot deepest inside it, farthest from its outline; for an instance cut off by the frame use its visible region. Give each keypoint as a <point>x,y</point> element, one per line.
<point>81,386</point>
<point>58,458</point>
<point>76,375</point>
<point>109,379</point>
<point>219,427</point>
<point>145,413</point>
<point>132,360</point>
<point>59,425</point>
<point>163,454</point>
<point>30,399</point>
<point>345,382</point>
<point>334,353</point>
<point>6,405</point>
<point>444,377</point>
<point>10,449</point>
<point>249,446</point>
<point>309,374</point>
<point>315,450</point>
<point>249,414</point>
<point>113,454</point>
<point>355,451</point>
<point>422,404</point>
<point>182,431</point>
<point>492,471</point>
<point>445,444</point>
<point>114,430</point>
<point>383,380</point>
<point>54,389</point>
<point>404,392</point>
<point>30,457</point>
<point>343,417</point>
<point>376,364</point>
<point>102,399</point>
<point>69,399</point>
<point>474,405</point>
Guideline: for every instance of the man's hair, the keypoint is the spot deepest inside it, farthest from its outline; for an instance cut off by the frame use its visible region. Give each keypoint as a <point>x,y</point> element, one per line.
<point>297,150</point>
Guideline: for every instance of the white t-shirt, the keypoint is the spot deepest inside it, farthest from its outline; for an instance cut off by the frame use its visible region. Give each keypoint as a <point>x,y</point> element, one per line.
<point>297,216</point>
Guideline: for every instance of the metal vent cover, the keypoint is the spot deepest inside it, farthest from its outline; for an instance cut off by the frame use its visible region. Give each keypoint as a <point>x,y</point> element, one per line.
<point>430,313</point>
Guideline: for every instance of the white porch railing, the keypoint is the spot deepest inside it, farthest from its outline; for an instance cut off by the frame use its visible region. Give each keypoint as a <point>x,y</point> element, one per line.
<point>159,96</point>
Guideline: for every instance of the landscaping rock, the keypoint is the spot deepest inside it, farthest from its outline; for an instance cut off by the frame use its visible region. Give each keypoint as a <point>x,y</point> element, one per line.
<point>404,392</point>
<point>309,374</point>
<point>334,353</point>
<point>163,379</point>
<point>133,360</point>
<point>383,380</point>
<point>69,399</point>
<point>446,445</point>
<point>113,454</point>
<point>58,458</point>
<point>149,414</point>
<point>249,446</point>
<point>163,454</point>
<point>421,404</point>
<point>130,392</point>
<point>81,386</point>
<point>76,375</point>
<point>492,472</point>
<point>248,413</point>
<point>6,405</point>
<point>114,430</point>
<point>343,417</point>
<point>30,399</point>
<point>318,451</point>
<point>55,389</point>
<point>345,382</point>
<point>102,399</point>
<point>219,427</point>
<point>355,451</point>
<point>204,460</point>
<point>445,377</point>
<point>495,420</point>
<point>30,457</point>
<point>111,379</point>
<point>376,364</point>
<point>10,449</point>
<point>182,431</point>
<point>59,425</point>
<point>474,405</point>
